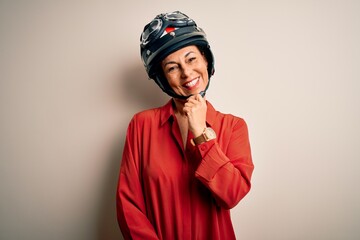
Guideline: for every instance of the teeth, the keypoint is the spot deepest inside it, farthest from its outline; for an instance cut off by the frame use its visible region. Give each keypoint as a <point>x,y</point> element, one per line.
<point>192,83</point>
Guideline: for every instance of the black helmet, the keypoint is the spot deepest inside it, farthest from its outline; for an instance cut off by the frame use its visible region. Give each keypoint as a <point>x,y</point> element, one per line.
<point>165,34</point>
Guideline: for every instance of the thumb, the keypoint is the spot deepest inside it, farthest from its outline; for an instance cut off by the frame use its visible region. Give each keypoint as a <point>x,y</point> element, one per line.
<point>198,97</point>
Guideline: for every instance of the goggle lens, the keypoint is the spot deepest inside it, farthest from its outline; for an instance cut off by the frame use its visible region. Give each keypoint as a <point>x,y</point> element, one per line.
<point>176,16</point>
<point>154,26</point>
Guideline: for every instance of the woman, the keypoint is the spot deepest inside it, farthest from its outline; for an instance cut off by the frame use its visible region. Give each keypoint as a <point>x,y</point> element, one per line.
<point>184,165</point>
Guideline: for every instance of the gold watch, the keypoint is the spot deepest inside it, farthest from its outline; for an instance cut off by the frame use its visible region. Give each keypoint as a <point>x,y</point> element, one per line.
<point>207,135</point>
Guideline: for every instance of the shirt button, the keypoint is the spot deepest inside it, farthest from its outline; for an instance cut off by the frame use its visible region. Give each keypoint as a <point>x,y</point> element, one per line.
<point>203,147</point>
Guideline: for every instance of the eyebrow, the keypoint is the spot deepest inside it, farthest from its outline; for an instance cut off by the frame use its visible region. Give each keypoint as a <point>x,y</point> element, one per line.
<point>173,62</point>
<point>187,54</point>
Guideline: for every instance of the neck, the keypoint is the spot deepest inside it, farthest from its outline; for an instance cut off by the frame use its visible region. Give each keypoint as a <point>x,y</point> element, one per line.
<point>179,106</point>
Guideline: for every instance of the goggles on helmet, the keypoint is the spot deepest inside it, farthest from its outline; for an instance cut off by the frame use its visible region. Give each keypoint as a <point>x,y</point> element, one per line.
<point>173,19</point>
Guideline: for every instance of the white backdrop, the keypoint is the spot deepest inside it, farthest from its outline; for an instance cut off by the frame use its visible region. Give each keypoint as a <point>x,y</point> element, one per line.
<point>71,78</point>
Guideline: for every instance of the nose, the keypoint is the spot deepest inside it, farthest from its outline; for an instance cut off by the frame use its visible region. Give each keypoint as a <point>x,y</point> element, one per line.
<point>185,71</point>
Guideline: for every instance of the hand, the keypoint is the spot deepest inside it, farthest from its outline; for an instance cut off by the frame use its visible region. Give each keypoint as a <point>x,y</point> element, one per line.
<point>195,109</point>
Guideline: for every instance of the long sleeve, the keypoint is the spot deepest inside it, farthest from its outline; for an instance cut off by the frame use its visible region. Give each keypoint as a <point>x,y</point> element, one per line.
<point>130,204</point>
<point>226,170</point>
<point>159,195</point>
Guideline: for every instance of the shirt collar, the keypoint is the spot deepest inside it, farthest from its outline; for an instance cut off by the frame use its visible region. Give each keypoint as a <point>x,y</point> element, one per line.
<point>167,113</point>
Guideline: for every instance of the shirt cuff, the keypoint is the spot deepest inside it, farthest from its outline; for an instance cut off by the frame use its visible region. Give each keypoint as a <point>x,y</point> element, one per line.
<point>212,160</point>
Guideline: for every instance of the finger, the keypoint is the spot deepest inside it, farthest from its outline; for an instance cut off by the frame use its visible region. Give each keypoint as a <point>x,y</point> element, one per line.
<point>186,110</point>
<point>192,101</point>
<point>200,98</point>
<point>193,105</point>
<point>191,98</point>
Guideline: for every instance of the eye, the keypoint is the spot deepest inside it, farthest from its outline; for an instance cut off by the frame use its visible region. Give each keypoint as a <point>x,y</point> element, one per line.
<point>171,69</point>
<point>191,59</point>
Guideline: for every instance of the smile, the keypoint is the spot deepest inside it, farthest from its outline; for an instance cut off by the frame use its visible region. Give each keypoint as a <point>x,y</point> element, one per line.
<point>192,83</point>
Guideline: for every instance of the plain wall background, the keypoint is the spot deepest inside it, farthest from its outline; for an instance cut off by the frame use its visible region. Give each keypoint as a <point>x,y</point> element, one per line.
<point>71,78</point>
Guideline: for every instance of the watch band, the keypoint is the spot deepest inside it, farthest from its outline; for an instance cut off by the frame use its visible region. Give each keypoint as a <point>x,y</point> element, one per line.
<point>200,139</point>
<point>207,135</point>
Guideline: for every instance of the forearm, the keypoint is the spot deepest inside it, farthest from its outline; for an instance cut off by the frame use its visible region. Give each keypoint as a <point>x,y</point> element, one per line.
<point>226,169</point>
<point>229,181</point>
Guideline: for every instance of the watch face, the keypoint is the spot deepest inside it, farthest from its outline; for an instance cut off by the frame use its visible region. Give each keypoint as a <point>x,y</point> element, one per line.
<point>209,134</point>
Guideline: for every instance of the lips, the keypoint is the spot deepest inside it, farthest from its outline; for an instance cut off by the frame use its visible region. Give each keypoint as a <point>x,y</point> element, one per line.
<point>191,84</point>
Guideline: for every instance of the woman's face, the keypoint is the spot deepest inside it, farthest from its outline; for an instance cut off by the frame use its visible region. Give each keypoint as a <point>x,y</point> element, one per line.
<point>186,71</point>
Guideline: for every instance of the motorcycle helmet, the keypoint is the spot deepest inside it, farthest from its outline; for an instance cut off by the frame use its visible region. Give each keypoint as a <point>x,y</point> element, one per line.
<point>165,34</point>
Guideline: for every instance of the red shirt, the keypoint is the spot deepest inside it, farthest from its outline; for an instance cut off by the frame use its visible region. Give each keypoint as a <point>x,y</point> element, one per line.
<point>168,192</point>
